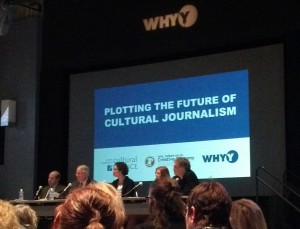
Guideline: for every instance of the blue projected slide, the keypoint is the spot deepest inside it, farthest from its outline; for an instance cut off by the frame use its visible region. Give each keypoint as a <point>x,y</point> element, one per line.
<point>203,118</point>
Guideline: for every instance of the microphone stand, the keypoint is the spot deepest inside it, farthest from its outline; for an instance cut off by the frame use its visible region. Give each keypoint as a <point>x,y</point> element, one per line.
<point>65,190</point>
<point>134,188</point>
<point>37,192</point>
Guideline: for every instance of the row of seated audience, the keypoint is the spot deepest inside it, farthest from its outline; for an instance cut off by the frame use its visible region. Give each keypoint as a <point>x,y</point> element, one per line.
<point>99,205</point>
<point>93,205</point>
<point>208,206</point>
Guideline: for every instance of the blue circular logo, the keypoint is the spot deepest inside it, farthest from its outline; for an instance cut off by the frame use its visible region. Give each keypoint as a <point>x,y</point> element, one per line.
<point>149,162</point>
<point>232,156</point>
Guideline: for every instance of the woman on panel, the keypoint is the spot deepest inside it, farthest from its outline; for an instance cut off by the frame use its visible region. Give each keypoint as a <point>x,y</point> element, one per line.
<point>247,214</point>
<point>166,208</point>
<point>123,184</point>
<point>162,172</point>
<point>96,206</point>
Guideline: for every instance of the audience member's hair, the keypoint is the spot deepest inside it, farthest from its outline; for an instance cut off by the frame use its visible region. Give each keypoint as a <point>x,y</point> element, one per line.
<point>246,214</point>
<point>26,215</point>
<point>96,206</point>
<point>122,167</point>
<point>8,218</point>
<point>208,205</point>
<point>165,204</point>
<point>184,162</point>
<point>164,171</point>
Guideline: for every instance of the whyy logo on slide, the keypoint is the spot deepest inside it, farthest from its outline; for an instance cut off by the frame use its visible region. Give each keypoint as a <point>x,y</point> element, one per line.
<point>232,156</point>
<point>186,17</point>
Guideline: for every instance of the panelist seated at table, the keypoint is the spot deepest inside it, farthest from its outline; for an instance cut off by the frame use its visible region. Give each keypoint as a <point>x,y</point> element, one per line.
<point>186,178</point>
<point>53,182</point>
<point>123,184</point>
<point>82,178</point>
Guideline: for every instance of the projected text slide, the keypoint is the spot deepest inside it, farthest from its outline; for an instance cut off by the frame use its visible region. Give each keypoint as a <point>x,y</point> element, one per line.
<point>203,118</point>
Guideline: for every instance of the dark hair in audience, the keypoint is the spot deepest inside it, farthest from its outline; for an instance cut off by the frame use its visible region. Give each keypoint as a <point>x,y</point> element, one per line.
<point>247,214</point>
<point>165,204</point>
<point>96,206</point>
<point>212,204</point>
<point>122,167</point>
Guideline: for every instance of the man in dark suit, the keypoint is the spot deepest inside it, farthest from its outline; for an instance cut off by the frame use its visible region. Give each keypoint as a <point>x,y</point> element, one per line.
<point>53,182</point>
<point>185,177</point>
<point>82,177</point>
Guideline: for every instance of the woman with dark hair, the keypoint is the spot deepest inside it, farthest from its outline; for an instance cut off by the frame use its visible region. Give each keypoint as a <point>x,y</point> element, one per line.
<point>166,208</point>
<point>123,184</point>
<point>208,206</point>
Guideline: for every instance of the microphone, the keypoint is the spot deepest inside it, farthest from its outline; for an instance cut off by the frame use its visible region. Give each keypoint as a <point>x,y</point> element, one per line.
<point>66,188</point>
<point>176,178</point>
<point>176,182</point>
<point>37,192</point>
<point>134,188</point>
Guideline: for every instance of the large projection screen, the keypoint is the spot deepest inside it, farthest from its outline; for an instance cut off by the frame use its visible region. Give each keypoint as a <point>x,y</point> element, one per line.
<point>225,112</point>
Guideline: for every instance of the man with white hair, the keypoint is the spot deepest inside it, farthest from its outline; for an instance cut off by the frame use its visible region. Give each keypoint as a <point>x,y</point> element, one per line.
<point>184,176</point>
<point>82,177</point>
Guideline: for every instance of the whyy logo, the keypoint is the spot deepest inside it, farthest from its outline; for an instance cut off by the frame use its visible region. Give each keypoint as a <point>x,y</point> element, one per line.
<point>232,156</point>
<point>186,17</point>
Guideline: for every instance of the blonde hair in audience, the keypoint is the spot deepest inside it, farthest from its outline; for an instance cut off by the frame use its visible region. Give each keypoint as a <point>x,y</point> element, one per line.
<point>8,218</point>
<point>26,215</point>
<point>246,214</point>
<point>116,201</point>
<point>96,206</point>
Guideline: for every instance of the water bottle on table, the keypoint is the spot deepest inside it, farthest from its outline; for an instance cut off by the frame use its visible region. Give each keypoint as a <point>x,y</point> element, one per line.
<point>21,194</point>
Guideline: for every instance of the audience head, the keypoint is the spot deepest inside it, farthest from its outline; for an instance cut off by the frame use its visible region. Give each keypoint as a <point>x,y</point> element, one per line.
<point>162,172</point>
<point>8,218</point>
<point>97,206</point>
<point>82,173</point>
<point>181,166</point>
<point>165,203</point>
<point>247,214</point>
<point>26,215</point>
<point>120,168</point>
<point>53,178</point>
<point>208,205</point>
